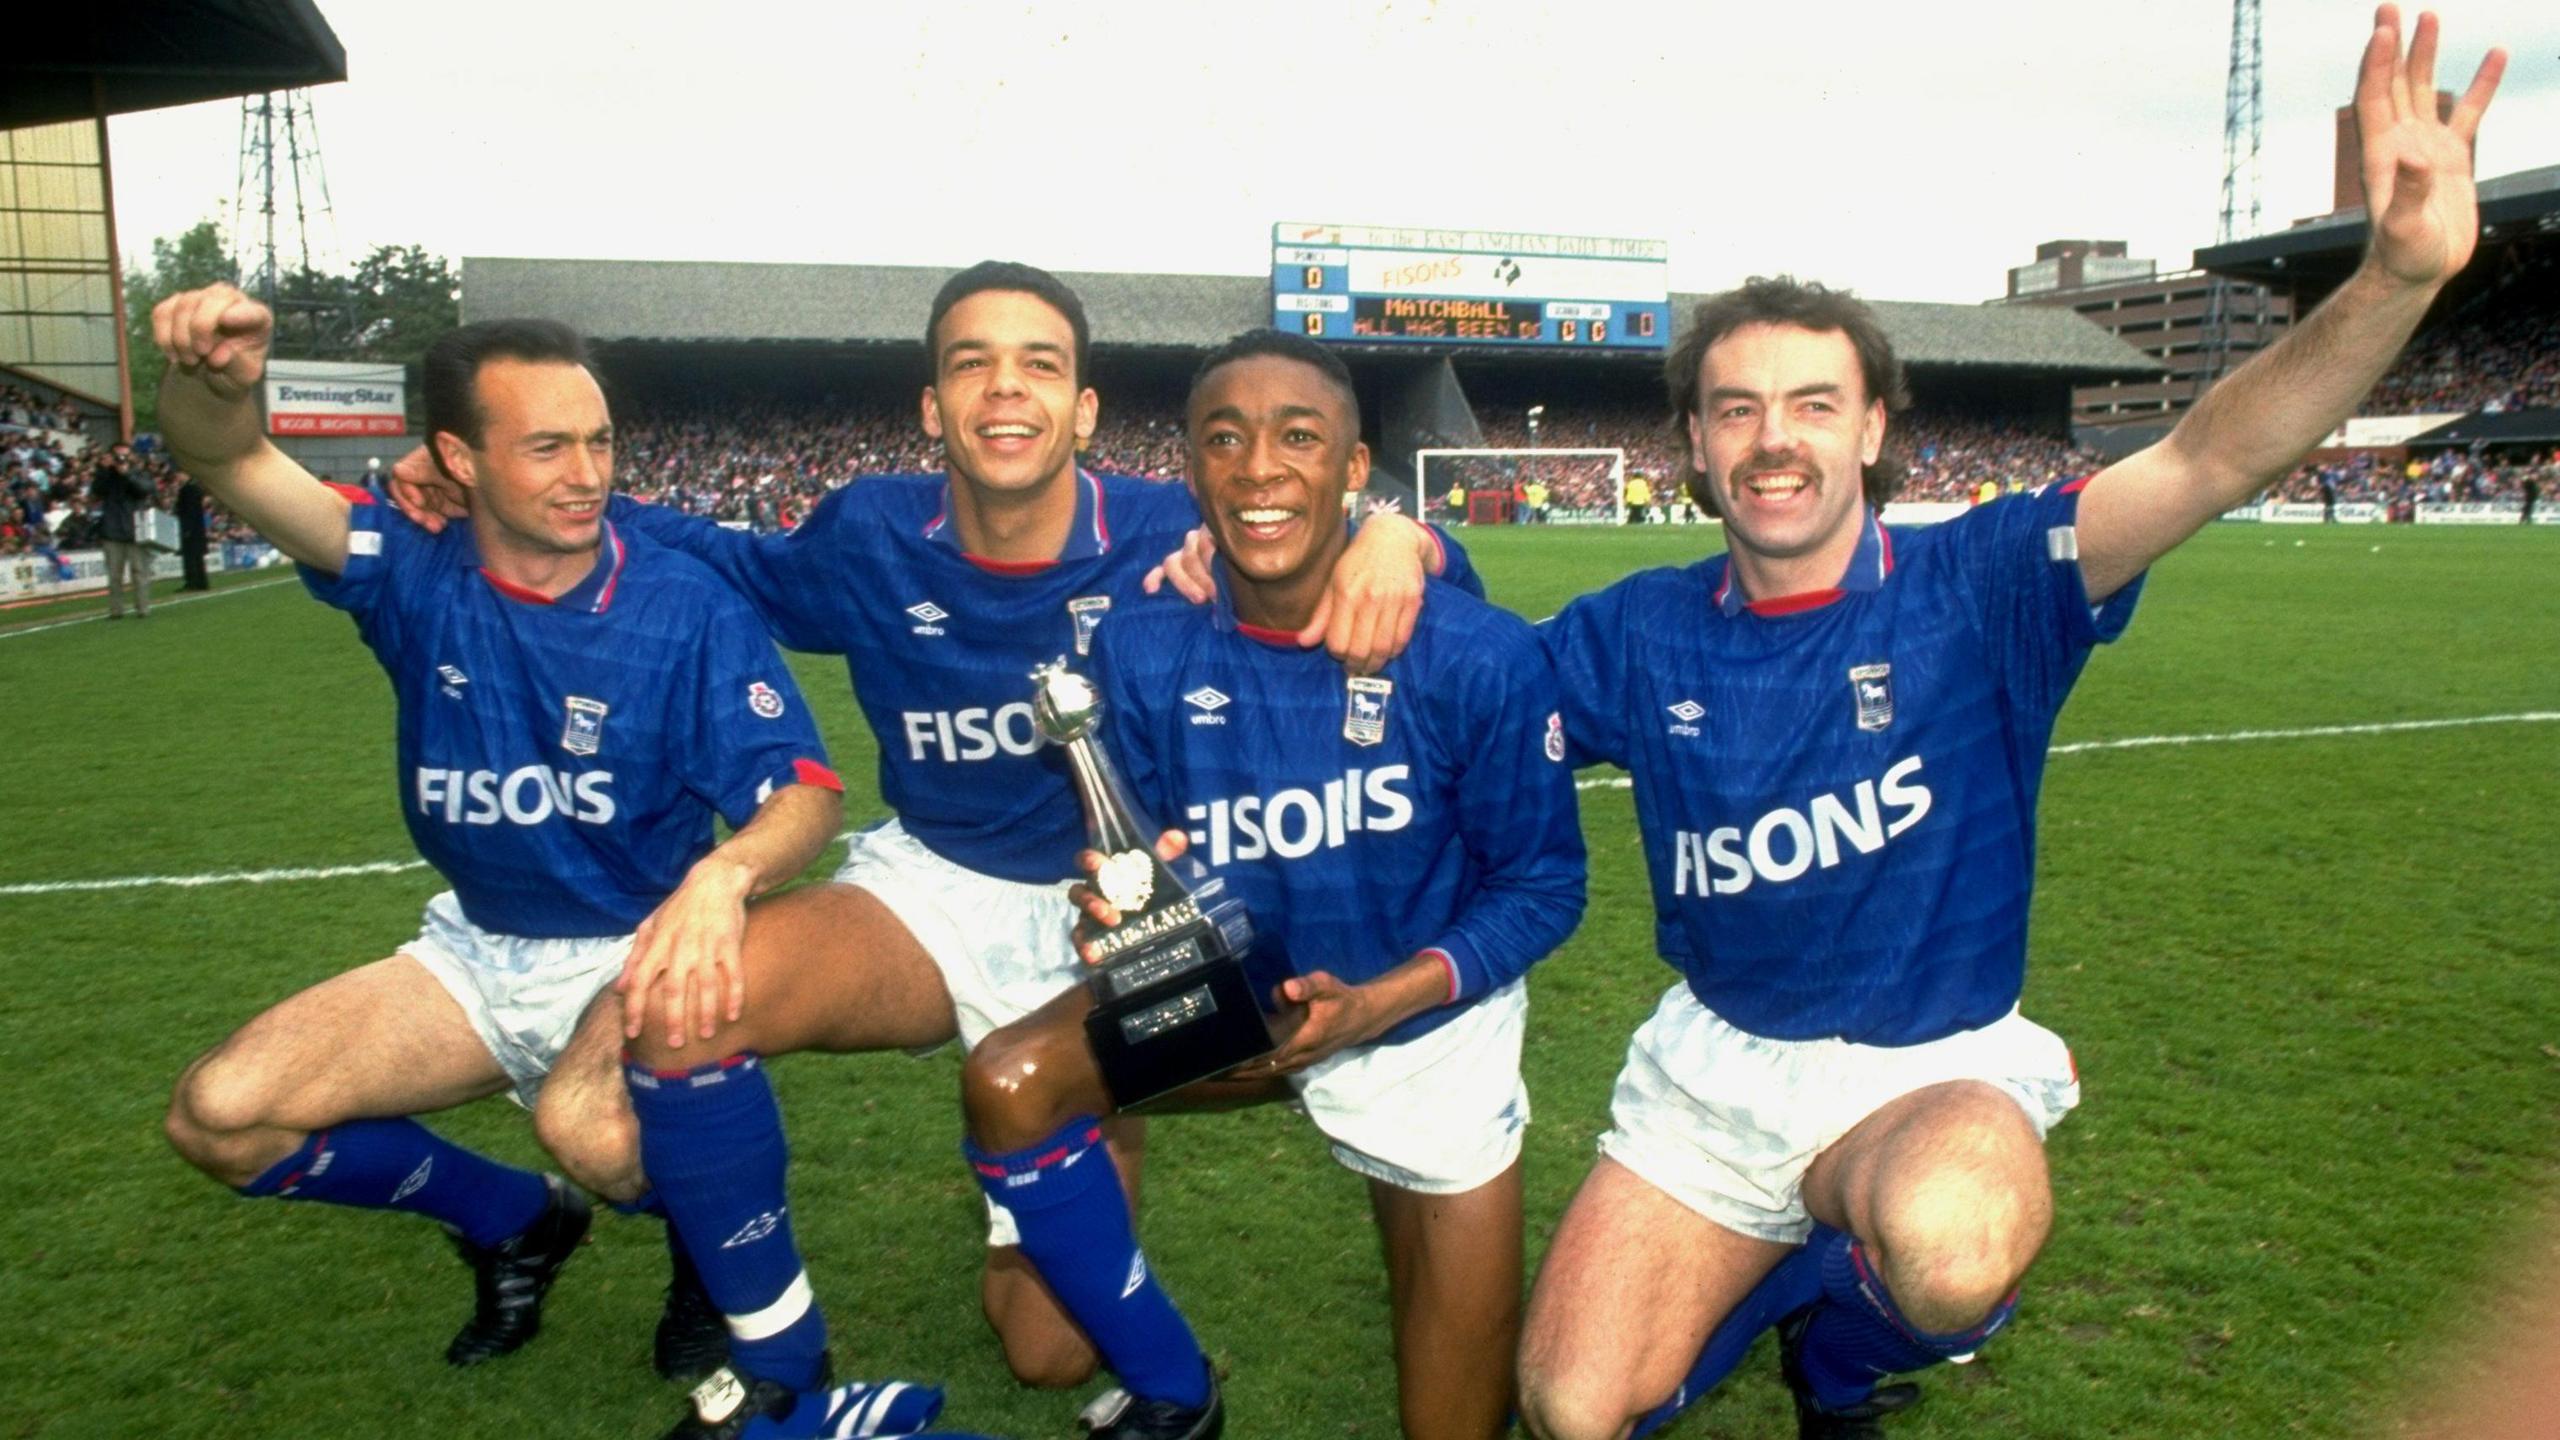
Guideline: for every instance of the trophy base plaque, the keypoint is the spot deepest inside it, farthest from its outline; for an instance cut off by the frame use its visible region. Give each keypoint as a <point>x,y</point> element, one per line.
<point>1182,1010</point>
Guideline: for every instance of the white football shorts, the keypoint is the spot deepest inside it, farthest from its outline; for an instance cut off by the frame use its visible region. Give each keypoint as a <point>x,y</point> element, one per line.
<point>1003,947</point>
<point>525,996</point>
<point>1727,1122</point>
<point>1440,1114</point>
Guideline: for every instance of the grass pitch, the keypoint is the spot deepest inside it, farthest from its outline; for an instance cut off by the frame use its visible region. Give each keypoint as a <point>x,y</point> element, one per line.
<point>2309,980</point>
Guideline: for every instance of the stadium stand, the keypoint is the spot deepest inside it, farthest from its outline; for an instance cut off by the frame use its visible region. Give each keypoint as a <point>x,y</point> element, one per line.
<point>2500,352</point>
<point>2486,367</point>
<point>760,462</point>
<point>840,343</point>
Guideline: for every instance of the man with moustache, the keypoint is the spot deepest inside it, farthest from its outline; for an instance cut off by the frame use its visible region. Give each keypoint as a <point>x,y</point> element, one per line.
<point>1835,1119</point>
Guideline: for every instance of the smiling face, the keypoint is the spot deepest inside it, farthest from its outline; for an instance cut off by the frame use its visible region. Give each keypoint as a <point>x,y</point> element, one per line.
<point>1275,445</point>
<point>1006,401</point>
<point>543,467</point>
<point>1783,432</point>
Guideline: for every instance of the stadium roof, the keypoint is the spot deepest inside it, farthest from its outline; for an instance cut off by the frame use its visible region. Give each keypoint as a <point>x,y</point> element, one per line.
<point>2494,427</point>
<point>2037,337</point>
<point>718,300</point>
<point>687,300</point>
<point>2320,252</point>
<point>70,62</point>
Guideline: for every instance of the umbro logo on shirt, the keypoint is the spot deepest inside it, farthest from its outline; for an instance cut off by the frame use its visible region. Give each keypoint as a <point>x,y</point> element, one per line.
<point>1685,717</point>
<point>453,679</point>
<point>929,617</point>
<point>1206,702</point>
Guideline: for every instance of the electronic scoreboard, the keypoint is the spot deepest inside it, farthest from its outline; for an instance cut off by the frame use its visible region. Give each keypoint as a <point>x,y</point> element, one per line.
<point>1371,285</point>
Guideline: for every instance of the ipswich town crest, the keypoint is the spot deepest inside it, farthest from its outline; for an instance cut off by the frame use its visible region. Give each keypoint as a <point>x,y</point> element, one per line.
<point>1364,720</point>
<point>1088,610</point>
<point>1873,685</point>
<point>585,730</point>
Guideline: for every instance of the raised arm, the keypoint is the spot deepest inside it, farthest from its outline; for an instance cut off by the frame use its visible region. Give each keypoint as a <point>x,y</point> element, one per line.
<point>217,340</point>
<point>2256,425</point>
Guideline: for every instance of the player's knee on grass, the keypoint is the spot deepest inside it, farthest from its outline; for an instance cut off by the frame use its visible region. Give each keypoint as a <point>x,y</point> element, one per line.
<point>1570,1403</point>
<point>220,1121</point>
<point>1954,1239</point>
<point>1949,1277</point>
<point>1022,1083</point>
<point>1042,1347</point>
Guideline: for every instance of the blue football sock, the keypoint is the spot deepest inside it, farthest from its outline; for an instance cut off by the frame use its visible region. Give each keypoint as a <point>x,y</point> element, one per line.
<point>1794,1283</point>
<point>402,1165</point>
<point>1066,1199</point>
<point>711,1139</point>
<point>1858,1336</point>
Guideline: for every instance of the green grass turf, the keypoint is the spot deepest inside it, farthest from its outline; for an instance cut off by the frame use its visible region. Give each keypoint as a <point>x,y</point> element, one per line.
<point>2309,981</point>
<point>29,614</point>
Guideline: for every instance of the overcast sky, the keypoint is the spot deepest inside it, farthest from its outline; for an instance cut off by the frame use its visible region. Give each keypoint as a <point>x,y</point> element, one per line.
<point>1913,151</point>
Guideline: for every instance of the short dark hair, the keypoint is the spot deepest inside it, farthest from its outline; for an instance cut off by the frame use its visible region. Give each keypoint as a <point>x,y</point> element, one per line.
<point>1285,345</point>
<point>1807,305</point>
<point>1008,275</point>
<point>449,375</point>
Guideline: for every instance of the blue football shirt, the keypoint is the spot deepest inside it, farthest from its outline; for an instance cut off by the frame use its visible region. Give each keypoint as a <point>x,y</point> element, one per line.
<point>1361,821</point>
<point>940,644</point>
<point>1837,792</point>
<point>560,761</point>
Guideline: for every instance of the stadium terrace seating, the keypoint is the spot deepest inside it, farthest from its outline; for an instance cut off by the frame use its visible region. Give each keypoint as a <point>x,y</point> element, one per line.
<point>725,460</point>
<point>2501,353</point>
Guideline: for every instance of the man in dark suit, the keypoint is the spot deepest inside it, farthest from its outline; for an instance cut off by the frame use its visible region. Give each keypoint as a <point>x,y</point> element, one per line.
<point>191,535</point>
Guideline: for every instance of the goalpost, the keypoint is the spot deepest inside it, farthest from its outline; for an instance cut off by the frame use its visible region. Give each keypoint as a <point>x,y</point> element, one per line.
<point>1580,487</point>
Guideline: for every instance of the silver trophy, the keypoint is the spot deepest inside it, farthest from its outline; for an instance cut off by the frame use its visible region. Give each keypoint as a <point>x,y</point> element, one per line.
<point>1171,1000</point>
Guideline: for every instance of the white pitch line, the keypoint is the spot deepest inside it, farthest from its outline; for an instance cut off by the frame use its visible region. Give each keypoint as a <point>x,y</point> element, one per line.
<point>239,877</point>
<point>161,604</point>
<point>224,877</point>
<point>2307,732</point>
<point>2310,732</point>
<point>1620,782</point>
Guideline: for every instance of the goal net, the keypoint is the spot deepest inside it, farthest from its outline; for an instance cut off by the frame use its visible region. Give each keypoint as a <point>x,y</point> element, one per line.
<point>1541,486</point>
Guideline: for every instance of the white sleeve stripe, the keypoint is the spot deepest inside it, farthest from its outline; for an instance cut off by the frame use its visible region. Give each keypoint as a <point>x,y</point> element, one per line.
<point>777,1317</point>
<point>2062,544</point>
<point>364,542</point>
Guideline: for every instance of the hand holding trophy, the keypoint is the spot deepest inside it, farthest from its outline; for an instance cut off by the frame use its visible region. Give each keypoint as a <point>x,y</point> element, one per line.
<point>1171,1000</point>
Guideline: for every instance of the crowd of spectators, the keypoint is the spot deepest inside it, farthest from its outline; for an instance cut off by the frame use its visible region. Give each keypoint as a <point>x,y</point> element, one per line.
<point>48,475</point>
<point>2509,360</point>
<point>765,464</point>
<point>23,409</point>
<point>2500,353</point>
<point>2449,477</point>
<point>1949,456</point>
<point>1953,456</point>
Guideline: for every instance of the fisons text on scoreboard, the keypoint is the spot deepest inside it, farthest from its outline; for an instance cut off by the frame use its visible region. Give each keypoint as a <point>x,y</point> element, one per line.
<point>1373,285</point>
